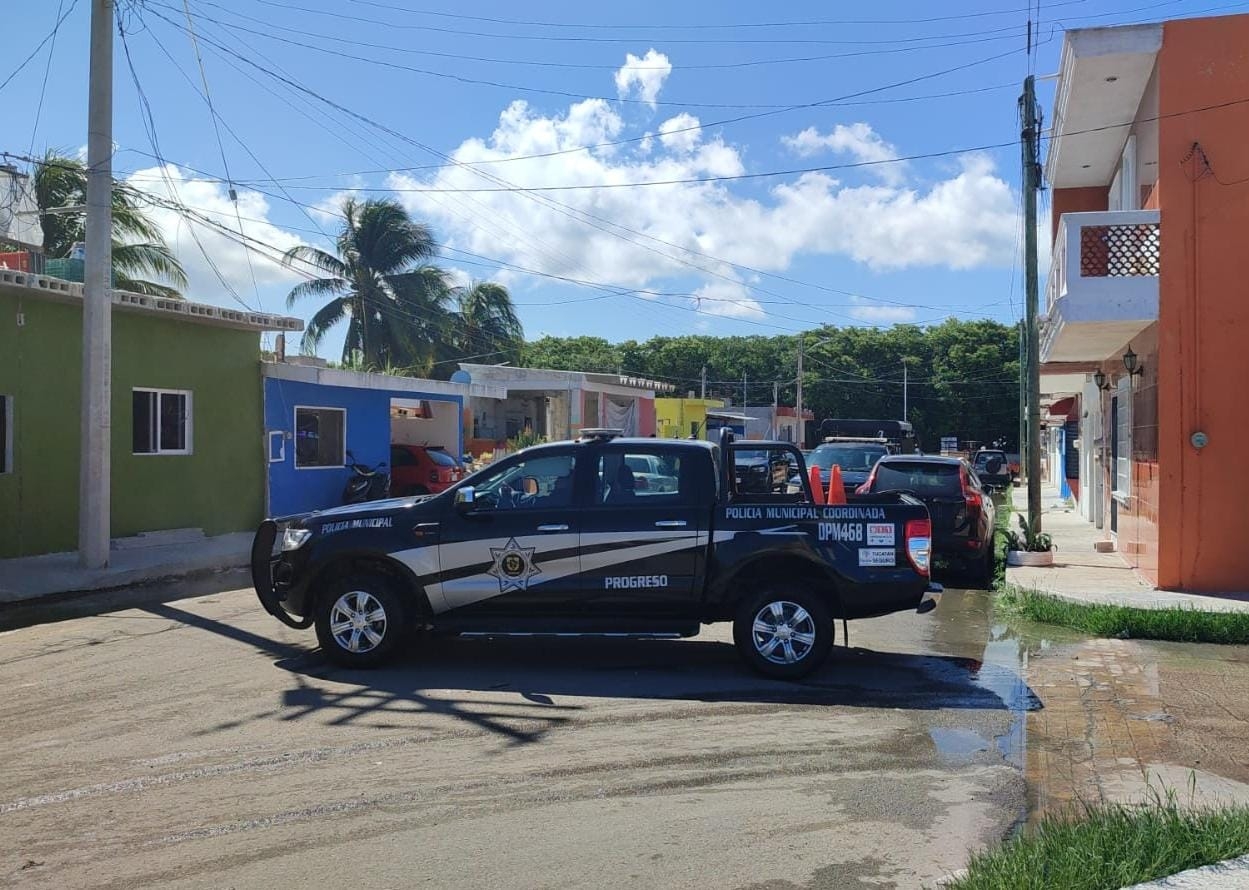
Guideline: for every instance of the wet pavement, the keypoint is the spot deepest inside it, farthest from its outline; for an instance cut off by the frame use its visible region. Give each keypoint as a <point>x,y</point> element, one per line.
<point>197,743</point>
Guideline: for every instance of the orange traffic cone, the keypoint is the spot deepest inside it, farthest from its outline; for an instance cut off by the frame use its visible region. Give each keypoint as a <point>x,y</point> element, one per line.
<point>817,487</point>
<point>836,489</point>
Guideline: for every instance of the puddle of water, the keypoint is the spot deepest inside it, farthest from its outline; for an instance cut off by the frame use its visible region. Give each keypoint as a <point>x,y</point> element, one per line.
<point>957,745</point>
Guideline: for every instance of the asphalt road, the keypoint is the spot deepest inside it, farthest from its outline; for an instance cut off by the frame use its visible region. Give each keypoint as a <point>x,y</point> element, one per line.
<point>198,743</point>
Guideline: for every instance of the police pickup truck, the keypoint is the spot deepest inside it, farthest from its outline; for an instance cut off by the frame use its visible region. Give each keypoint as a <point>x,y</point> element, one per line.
<point>561,539</point>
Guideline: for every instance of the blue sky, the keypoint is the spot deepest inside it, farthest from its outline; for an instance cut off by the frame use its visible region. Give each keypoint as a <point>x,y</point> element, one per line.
<point>317,97</point>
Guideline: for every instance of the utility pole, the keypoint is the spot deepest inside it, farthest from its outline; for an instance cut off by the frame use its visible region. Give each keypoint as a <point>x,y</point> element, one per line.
<point>905,413</point>
<point>743,389</point>
<point>802,425</point>
<point>704,381</point>
<point>1029,143</point>
<point>94,506</point>
<point>775,432</point>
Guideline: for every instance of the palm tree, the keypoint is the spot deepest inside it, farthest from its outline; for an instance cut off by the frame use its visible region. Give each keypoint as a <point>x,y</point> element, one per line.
<point>139,249</point>
<point>381,282</point>
<point>485,323</point>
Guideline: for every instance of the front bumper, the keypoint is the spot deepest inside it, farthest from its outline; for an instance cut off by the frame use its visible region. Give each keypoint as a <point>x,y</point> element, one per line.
<point>263,565</point>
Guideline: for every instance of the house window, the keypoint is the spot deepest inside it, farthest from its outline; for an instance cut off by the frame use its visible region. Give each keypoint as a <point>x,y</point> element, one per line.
<point>320,437</point>
<point>6,434</point>
<point>161,421</point>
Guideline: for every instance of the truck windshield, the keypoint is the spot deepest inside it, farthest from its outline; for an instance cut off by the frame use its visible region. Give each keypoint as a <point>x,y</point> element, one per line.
<point>921,477</point>
<point>858,458</point>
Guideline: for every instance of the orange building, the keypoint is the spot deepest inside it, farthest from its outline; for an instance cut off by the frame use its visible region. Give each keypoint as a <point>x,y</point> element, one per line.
<point>1149,173</point>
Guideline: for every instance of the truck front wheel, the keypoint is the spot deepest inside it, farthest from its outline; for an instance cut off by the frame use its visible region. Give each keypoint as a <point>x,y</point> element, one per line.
<point>360,620</point>
<point>784,632</point>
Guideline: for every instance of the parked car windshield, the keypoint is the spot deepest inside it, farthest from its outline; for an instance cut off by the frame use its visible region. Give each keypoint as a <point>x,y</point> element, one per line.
<point>921,477</point>
<point>856,458</point>
<point>441,457</point>
<point>983,458</point>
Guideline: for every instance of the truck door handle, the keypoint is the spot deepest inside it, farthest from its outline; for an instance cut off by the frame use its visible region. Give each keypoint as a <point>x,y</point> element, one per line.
<point>552,528</point>
<point>671,523</point>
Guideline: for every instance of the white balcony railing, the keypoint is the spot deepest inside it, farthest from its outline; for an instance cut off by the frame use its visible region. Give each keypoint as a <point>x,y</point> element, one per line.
<point>1103,278</point>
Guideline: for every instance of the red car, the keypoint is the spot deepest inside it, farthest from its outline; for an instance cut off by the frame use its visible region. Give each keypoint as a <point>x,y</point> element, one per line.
<point>422,469</point>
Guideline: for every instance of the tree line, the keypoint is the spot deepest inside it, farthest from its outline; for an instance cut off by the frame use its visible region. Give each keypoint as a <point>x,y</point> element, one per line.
<point>962,376</point>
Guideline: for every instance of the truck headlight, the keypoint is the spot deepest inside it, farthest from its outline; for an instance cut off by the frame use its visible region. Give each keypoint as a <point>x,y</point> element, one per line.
<point>294,538</point>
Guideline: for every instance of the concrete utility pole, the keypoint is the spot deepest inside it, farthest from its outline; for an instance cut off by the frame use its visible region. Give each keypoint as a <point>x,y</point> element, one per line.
<point>703,394</point>
<point>1029,144</point>
<point>905,413</point>
<point>802,426</point>
<point>743,389</point>
<point>94,506</point>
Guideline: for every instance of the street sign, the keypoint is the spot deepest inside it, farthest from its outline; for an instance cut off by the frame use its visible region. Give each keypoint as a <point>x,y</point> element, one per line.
<point>949,443</point>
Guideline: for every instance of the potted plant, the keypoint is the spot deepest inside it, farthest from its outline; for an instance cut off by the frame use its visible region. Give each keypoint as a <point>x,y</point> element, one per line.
<point>1031,548</point>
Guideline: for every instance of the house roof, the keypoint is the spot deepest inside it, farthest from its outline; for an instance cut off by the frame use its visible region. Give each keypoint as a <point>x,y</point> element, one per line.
<point>393,383</point>
<point>57,290</point>
<point>538,378</point>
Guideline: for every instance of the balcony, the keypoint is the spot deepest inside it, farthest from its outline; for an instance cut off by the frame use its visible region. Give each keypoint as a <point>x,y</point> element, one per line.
<point>1103,284</point>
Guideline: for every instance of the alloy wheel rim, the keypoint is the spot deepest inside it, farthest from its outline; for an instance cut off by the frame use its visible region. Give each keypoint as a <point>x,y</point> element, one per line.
<point>358,622</point>
<point>783,632</point>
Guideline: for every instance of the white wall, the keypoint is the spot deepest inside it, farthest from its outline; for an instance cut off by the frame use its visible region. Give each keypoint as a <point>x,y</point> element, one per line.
<point>442,429</point>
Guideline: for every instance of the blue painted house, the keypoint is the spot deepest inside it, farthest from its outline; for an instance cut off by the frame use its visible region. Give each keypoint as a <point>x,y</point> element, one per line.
<point>318,419</point>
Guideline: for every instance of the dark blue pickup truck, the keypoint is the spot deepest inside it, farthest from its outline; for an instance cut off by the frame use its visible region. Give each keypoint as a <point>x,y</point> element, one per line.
<point>564,539</point>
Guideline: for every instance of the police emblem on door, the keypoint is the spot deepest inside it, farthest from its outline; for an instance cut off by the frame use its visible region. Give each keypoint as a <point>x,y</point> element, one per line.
<point>513,566</point>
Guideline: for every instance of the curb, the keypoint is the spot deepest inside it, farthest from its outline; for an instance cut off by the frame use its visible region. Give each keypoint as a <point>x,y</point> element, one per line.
<point>1231,874</point>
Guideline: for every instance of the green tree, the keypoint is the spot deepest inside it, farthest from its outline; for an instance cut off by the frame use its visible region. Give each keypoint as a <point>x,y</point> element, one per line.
<point>381,282</point>
<point>484,323</point>
<point>139,249</point>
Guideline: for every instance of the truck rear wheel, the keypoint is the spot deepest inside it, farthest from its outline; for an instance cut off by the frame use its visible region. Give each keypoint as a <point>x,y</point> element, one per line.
<point>784,632</point>
<point>360,620</point>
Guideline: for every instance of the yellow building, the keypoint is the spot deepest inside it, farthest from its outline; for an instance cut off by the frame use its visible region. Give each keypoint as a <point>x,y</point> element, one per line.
<point>681,418</point>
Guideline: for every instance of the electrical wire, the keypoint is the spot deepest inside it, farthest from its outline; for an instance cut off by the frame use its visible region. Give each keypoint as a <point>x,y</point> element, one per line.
<point>225,164</point>
<point>701,26</point>
<point>40,45</point>
<point>47,68</point>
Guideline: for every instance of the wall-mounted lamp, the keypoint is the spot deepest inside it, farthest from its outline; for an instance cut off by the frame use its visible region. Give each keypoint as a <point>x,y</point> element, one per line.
<point>1099,379</point>
<point>1130,363</point>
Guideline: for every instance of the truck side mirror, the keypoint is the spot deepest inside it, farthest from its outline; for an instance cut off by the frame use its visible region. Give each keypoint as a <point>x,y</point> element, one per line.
<point>465,498</point>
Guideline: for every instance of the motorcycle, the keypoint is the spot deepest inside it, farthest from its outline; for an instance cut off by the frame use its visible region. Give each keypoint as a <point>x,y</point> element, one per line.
<point>366,483</point>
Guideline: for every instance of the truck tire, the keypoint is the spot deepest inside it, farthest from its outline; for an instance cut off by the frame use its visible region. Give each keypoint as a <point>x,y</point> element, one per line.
<point>784,633</point>
<point>360,620</point>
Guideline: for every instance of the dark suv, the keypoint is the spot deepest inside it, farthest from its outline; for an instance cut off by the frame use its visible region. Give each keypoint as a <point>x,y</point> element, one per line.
<point>961,510</point>
<point>993,468</point>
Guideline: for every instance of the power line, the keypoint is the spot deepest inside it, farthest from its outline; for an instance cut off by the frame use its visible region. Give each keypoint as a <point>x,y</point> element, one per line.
<point>553,63</point>
<point>47,68</point>
<point>40,45</point>
<point>225,164</point>
<point>708,26</point>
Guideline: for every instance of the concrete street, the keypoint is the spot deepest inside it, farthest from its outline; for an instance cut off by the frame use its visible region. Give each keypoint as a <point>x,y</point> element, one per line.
<point>198,743</point>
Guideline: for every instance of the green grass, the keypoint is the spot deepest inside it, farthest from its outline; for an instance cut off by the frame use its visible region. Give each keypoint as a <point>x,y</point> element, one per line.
<point>1109,847</point>
<point>1005,509</point>
<point>1179,624</point>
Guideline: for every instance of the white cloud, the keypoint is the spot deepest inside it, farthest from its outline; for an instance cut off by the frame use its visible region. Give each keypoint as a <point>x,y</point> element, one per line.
<point>858,140</point>
<point>680,133</point>
<point>881,314</point>
<point>964,219</point>
<point>727,298</point>
<point>643,77</point>
<point>210,199</point>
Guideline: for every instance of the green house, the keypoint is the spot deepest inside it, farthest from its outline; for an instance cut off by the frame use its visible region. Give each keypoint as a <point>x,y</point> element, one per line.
<point>187,415</point>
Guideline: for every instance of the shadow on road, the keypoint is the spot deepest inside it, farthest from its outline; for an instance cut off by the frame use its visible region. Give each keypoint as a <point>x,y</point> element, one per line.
<point>68,606</point>
<point>540,670</point>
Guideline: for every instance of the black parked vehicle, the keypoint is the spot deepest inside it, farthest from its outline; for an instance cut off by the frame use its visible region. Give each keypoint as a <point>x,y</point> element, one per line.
<point>993,468</point>
<point>365,483</point>
<point>561,538</point>
<point>961,510</point>
<point>855,458</point>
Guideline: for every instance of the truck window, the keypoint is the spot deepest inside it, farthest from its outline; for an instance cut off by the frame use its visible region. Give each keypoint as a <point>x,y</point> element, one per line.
<point>642,479</point>
<point>538,483</point>
<point>923,478</point>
